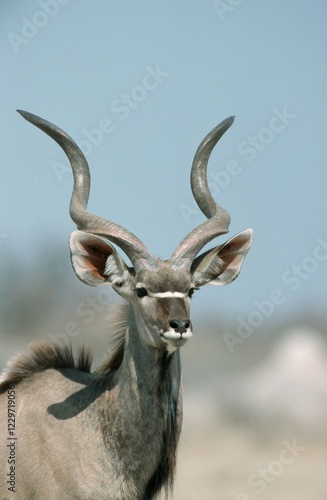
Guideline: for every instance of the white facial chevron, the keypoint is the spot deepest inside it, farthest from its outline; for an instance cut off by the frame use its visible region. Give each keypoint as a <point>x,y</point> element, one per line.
<point>164,295</point>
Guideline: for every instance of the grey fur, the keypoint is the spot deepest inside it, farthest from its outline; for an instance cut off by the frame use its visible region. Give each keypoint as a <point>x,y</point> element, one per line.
<point>94,422</point>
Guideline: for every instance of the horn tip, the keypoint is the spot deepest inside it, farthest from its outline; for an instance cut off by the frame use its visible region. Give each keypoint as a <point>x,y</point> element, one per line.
<point>230,120</point>
<point>221,128</point>
<point>28,116</point>
<point>21,112</point>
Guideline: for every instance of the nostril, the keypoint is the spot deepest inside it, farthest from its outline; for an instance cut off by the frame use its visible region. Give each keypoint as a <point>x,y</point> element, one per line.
<point>174,324</point>
<point>180,326</point>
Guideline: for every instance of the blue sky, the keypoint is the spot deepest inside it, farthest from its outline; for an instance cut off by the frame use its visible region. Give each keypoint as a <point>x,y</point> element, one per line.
<point>138,85</point>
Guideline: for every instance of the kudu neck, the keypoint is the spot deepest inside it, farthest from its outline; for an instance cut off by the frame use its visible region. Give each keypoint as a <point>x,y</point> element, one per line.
<point>146,364</point>
<point>147,410</point>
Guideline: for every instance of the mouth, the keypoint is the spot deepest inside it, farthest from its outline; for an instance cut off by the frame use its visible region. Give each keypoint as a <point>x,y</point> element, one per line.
<point>176,339</point>
<point>172,335</point>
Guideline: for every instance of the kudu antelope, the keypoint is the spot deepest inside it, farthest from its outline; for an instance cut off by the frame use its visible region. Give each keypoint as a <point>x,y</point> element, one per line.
<point>113,433</point>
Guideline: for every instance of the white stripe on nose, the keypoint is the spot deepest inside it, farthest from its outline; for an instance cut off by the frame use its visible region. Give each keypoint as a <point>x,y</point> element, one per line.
<point>163,295</point>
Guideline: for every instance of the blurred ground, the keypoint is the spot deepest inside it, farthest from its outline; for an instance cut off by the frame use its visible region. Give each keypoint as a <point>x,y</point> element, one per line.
<point>260,431</point>
<point>223,462</point>
<point>254,416</point>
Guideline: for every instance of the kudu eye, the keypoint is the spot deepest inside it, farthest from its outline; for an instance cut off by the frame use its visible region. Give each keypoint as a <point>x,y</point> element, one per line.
<point>191,292</point>
<point>141,292</point>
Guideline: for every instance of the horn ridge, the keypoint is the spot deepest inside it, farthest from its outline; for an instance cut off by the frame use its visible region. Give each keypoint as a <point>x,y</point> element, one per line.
<point>80,168</point>
<point>199,182</point>
<point>134,248</point>
<point>218,218</point>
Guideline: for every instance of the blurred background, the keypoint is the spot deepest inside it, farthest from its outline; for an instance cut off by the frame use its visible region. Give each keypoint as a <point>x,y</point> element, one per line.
<point>138,85</point>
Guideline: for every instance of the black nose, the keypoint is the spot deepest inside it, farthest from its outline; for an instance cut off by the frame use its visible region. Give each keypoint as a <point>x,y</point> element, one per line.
<point>180,325</point>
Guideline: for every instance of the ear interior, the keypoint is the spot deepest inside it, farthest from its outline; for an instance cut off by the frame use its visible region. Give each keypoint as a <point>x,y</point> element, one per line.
<point>94,260</point>
<point>222,264</point>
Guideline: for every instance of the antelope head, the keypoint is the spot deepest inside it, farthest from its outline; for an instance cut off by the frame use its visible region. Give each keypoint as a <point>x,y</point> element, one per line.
<point>159,291</point>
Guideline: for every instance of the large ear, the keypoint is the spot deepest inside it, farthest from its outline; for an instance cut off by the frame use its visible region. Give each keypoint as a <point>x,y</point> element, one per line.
<point>222,264</point>
<point>95,261</point>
